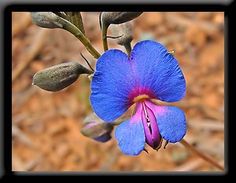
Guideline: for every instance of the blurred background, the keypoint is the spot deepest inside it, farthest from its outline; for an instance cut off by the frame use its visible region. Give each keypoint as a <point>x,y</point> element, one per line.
<point>46,126</point>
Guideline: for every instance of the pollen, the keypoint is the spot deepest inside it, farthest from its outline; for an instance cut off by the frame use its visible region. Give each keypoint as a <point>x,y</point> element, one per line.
<point>140,98</point>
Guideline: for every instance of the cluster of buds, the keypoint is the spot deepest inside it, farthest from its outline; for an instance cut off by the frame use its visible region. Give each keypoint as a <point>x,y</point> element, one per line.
<point>60,76</point>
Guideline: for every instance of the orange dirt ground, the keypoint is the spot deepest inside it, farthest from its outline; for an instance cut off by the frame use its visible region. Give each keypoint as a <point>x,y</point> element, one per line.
<point>46,126</point>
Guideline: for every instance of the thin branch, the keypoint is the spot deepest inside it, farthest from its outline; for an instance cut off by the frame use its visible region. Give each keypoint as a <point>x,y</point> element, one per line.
<point>104,37</point>
<point>62,15</point>
<point>201,155</point>
<point>87,62</point>
<point>190,166</point>
<point>67,25</point>
<point>76,19</point>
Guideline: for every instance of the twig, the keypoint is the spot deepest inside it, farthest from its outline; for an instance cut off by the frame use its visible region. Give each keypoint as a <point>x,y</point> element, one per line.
<point>201,155</point>
<point>104,32</point>
<point>87,62</point>
<point>62,15</point>
<point>104,38</point>
<point>30,54</point>
<point>76,19</point>
<point>189,166</point>
<point>78,34</point>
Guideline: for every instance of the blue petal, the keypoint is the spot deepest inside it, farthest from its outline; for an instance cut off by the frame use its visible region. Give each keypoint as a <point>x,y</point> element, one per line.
<point>158,70</point>
<point>130,136</point>
<point>171,123</point>
<point>111,85</point>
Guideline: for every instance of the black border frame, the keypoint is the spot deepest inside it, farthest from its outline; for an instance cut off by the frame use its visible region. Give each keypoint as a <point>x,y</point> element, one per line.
<point>7,38</point>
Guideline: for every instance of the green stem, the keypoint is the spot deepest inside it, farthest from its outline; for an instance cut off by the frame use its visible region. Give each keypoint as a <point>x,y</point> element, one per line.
<point>201,155</point>
<point>76,19</point>
<point>104,37</point>
<point>87,62</point>
<point>78,34</point>
<point>60,14</point>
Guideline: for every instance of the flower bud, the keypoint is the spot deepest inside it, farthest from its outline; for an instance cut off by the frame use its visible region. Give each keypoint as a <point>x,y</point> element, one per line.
<point>107,18</point>
<point>59,76</point>
<point>95,128</point>
<point>46,19</point>
<point>125,30</point>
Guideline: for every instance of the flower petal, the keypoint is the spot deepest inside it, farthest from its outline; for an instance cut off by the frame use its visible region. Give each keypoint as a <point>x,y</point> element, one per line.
<point>111,85</point>
<point>171,123</point>
<point>158,70</point>
<point>130,135</point>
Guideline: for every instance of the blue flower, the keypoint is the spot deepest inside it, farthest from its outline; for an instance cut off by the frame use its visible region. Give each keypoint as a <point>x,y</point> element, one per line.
<point>121,81</point>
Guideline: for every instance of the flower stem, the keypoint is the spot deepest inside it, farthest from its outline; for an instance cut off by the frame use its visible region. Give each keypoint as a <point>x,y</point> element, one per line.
<point>78,34</point>
<point>62,15</point>
<point>104,37</point>
<point>200,154</point>
<point>87,62</point>
<point>76,19</point>
<point>128,48</point>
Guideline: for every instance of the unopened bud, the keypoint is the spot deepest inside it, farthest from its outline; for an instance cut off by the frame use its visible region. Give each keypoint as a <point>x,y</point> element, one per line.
<point>107,18</point>
<point>59,76</point>
<point>95,128</point>
<point>46,19</point>
<point>125,30</point>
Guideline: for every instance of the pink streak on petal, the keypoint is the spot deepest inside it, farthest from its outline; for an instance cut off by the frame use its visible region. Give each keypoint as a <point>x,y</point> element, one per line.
<point>137,116</point>
<point>161,110</point>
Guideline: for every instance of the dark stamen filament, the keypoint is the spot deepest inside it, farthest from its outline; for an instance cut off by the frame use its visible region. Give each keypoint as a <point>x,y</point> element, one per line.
<point>166,144</point>
<point>87,62</point>
<point>159,146</point>
<point>147,118</point>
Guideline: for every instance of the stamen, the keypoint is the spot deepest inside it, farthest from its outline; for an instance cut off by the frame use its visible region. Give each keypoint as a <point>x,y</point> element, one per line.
<point>147,118</point>
<point>166,144</point>
<point>149,122</point>
<point>160,144</point>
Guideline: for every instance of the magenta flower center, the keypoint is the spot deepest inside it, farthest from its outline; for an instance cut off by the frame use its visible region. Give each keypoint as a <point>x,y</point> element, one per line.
<point>141,97</point>
<point>140,94</point>
<point>151,130</point>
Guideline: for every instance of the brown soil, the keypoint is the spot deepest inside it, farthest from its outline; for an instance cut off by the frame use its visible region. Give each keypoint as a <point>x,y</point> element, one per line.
<point>46,126</point>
